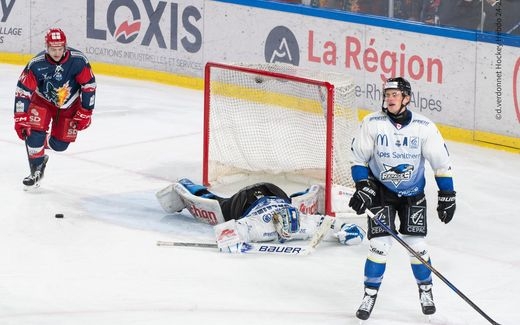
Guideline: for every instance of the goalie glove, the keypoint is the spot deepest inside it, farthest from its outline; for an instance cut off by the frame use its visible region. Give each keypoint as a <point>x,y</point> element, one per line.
<point>364,196</point>
<point>228,239</point>
<point>286,222</point>
<point>446,205</point>
<point>350,234</point>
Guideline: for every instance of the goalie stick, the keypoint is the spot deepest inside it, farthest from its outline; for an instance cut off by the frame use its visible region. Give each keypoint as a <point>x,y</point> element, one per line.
<point>268,248</point>
<point>374,217</point>
<point>320,233</point>
<point>247,248</point>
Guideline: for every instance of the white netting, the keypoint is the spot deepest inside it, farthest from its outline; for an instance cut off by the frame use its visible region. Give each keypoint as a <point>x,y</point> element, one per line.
<point>271,119</point>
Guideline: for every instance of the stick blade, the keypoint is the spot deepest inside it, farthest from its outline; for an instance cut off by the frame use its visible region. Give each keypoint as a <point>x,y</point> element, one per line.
<point>320,233</point>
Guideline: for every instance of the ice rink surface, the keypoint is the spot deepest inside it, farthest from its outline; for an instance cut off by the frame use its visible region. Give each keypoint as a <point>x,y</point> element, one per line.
<point>100,263</point>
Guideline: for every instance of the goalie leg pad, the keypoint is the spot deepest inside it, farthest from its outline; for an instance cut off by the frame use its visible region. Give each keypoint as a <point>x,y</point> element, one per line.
<point>311,201</point>
<point>170,200</point>
<point>203,209</point>
<point>196,189</point>
<point>341,196</point>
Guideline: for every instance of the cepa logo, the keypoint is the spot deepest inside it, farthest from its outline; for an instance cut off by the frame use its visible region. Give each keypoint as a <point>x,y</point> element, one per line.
<point>281,46</point>
<point>516,88</point>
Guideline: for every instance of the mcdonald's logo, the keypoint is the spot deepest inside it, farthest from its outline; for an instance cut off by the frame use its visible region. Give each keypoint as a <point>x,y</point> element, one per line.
<point>382,139</point>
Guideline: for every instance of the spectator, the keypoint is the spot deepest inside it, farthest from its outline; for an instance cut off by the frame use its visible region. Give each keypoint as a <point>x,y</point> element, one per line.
<point>461,13</point>
<point>429,11</point>
<point>333,4</point>
<point>373,7</point>
<point>408,9</point>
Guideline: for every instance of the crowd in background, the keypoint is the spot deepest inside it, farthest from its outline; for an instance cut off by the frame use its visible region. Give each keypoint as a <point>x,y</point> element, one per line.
<point>485,15</point>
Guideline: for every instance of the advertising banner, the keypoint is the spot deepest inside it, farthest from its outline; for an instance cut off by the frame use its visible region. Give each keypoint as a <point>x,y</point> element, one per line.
<point>497,87</point>
<point>15,31</point>
<point>459,78</point>
<point>157,35</point>
<point>440,70</point>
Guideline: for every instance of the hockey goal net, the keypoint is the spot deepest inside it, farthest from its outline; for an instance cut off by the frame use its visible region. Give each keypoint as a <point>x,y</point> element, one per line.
<point>278,120</point>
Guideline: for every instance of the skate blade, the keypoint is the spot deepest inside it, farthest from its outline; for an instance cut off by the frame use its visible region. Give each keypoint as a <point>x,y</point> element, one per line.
<point>28,188</point>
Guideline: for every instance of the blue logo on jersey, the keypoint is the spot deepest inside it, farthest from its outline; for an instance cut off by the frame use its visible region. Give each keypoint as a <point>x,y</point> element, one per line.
<point>414,142</point>
<point>382,140</point>
<point>397,174</point>
<point>267,218</point>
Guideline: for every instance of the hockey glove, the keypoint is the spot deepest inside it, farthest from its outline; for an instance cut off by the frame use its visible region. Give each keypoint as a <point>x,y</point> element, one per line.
<point>21,125</point>
<point>364,196</point>
<point>228,239</point>
<point>446,205</point>
<point>350,234</point>
<point>82,118</point>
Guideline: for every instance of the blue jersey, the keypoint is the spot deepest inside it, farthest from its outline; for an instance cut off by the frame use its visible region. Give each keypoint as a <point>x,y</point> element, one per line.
<point>58,83</point>
<point>395,154</point>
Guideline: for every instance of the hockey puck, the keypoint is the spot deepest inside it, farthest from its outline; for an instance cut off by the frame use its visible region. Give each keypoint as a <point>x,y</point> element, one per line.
<point>58,215</point>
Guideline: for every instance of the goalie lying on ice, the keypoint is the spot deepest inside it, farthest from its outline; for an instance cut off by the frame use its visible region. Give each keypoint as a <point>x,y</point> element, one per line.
<point>260,212</point>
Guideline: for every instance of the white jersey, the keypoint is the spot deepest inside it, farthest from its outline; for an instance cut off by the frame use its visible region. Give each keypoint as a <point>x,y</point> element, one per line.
<point>396,154</point>
<point>260,225</point>
<point>259,219</point>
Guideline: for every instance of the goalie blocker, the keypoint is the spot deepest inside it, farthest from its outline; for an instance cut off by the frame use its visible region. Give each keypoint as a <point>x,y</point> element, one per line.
<point>261,212</point>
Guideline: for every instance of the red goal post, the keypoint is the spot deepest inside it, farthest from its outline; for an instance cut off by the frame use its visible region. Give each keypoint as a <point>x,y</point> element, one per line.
<point>281,121</point>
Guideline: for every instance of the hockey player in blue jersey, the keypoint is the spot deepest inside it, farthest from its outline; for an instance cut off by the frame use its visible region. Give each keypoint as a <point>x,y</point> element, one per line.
<point>56,86</point>
<point>389,156</point>
<point>260,212</point>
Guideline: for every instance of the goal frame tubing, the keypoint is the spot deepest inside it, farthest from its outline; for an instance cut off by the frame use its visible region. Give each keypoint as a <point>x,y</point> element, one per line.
<point>330,120</point>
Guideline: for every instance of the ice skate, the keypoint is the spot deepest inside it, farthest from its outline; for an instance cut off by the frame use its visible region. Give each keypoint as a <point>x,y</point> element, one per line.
<point>37,172</point>
<point>426,298</point>
<point>369,300</point>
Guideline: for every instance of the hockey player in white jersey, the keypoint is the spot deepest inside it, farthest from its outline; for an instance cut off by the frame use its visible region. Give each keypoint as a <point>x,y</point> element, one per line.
<point>261,212</point>
<point>389,156</point>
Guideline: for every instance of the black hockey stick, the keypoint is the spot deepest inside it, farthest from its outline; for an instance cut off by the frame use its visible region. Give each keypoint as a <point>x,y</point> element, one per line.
<point>374,217</point>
